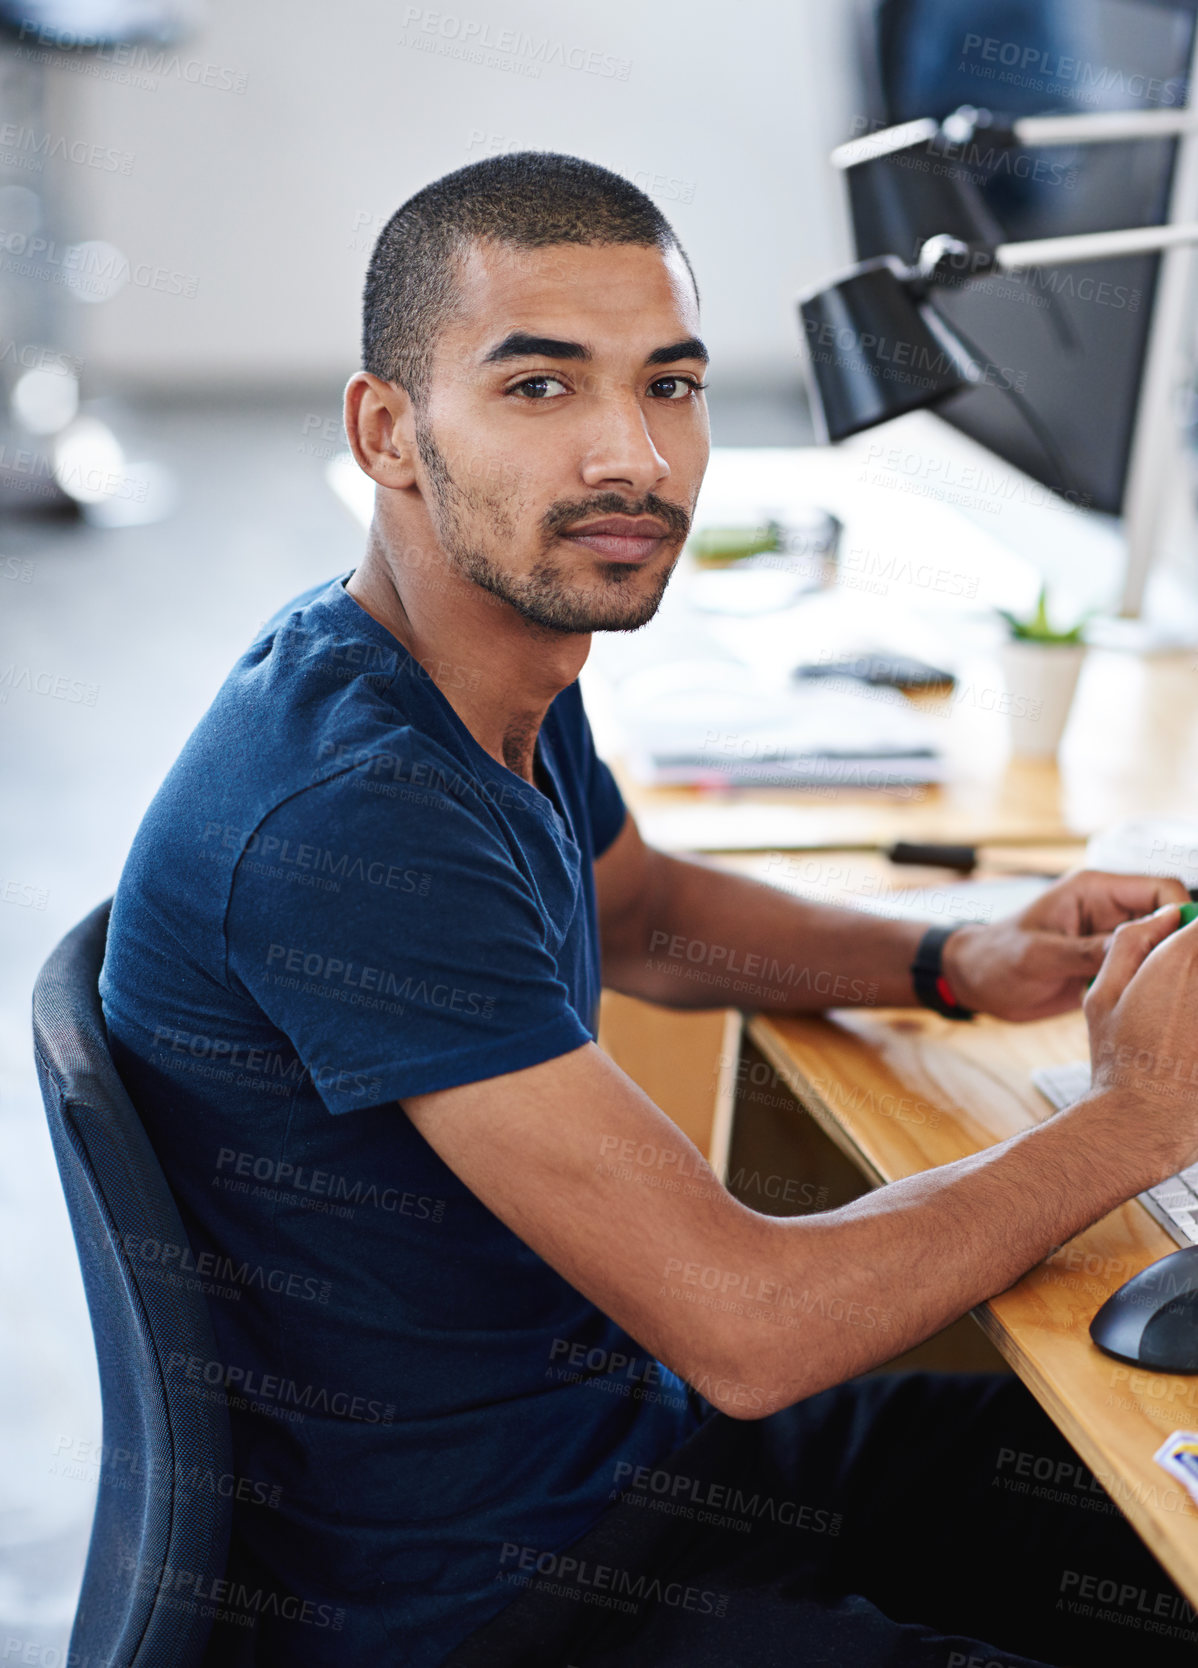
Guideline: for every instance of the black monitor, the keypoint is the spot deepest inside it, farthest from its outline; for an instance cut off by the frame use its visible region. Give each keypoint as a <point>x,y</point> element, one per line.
<point>1074,337</point>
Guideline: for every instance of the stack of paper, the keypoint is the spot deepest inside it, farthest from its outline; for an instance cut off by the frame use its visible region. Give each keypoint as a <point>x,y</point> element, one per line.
<point>714,722</point>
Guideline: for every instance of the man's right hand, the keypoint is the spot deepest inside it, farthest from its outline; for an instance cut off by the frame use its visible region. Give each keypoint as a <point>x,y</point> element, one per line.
<point>1142,1012</point>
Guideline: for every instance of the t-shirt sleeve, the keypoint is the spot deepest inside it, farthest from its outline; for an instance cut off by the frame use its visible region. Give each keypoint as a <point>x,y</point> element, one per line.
<point>399,945</point>
<point>604,799</point>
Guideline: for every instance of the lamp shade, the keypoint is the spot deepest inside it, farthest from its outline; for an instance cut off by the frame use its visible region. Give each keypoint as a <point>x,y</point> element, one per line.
<point>875,349</point>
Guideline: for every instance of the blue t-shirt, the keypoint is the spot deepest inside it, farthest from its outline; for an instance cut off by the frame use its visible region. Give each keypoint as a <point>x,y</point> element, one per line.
<point>336,899</point>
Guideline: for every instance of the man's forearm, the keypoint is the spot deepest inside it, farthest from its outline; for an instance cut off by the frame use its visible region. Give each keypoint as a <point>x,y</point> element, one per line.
<point>810,1301</point>
<point>712,939</point>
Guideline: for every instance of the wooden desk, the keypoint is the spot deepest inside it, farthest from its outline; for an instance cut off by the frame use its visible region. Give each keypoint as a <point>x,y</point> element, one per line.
<point>902,1091</point>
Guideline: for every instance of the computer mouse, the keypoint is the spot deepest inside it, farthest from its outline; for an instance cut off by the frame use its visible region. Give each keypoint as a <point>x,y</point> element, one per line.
<point>1152,1320</point>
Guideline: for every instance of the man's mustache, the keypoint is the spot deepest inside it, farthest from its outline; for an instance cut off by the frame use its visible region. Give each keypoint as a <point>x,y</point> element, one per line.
<point>562,517</point>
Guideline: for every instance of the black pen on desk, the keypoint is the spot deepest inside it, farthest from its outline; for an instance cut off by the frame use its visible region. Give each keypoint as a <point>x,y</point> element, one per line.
<point>963,859</point>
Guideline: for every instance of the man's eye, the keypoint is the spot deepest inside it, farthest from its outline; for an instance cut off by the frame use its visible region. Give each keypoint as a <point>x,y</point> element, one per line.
<point>539,387</point>
<point>677,387</point>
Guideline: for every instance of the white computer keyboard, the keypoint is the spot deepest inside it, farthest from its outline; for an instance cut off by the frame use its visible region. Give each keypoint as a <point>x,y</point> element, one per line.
<point>1173,1202</point>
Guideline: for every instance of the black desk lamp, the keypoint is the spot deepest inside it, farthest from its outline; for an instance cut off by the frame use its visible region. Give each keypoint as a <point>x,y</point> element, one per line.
<point>877,346</point>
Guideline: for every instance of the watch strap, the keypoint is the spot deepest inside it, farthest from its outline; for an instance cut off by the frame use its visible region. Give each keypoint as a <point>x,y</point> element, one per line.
<point>927,975</point>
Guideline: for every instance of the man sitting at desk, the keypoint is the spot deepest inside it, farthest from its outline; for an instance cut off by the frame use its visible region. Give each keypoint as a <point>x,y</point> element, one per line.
<point>351,981</point>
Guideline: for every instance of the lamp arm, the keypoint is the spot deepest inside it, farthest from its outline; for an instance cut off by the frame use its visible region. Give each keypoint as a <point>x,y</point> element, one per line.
<point>1104,126</point>
<point>969,124</point>
<point>949,261</point>
<point>1093,246</point>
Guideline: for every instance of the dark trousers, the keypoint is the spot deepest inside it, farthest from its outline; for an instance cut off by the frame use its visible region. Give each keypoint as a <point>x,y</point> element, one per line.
<point>921,1520</point>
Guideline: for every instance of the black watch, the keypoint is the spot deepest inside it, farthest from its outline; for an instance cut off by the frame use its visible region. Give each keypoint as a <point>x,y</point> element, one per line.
<point>927,975</point>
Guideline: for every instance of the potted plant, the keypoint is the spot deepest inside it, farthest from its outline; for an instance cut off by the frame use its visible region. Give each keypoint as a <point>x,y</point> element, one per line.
<point>1041,664</point>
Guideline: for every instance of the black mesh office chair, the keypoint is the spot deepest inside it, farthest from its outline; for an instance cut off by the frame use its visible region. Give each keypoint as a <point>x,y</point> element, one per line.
<point>161,1529</point>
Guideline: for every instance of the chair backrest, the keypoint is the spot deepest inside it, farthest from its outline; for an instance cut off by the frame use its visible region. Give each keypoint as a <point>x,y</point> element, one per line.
<point>161,1529</point>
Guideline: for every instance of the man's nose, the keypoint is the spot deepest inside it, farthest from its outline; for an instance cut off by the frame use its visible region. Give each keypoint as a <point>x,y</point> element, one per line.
<point>621,451</point>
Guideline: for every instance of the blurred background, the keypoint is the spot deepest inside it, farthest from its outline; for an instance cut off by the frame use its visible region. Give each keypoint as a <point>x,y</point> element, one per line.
<point>188,197</point>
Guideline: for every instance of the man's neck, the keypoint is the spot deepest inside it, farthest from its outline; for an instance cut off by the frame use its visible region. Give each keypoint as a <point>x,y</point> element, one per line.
<point>497,670</point>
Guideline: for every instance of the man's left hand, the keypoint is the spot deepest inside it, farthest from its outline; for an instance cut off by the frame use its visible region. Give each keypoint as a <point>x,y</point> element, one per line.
<point>1039,962</point>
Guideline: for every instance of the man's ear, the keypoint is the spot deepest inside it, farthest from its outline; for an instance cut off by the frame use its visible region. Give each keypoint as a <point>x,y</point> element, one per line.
<point>380,427</point>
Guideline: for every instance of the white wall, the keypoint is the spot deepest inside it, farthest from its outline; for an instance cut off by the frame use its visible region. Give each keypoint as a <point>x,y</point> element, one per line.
<point>267,199</point>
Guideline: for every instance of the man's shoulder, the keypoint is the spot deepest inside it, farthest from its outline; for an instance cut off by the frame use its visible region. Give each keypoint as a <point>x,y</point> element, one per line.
<point>312,692</point>
<point>317,708</point>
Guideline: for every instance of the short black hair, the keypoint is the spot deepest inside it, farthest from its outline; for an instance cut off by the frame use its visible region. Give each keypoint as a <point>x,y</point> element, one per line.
<point>524,199</point>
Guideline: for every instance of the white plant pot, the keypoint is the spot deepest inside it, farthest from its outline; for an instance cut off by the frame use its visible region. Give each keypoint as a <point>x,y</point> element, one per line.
<point>1040,679</point>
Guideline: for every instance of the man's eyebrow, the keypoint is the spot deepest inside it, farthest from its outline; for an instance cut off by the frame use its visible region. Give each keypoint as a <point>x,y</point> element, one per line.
<point>521,344</point>
<point>689,348</point>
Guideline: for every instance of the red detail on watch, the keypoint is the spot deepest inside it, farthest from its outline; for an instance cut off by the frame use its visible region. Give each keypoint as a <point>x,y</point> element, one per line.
<point>944,991</point>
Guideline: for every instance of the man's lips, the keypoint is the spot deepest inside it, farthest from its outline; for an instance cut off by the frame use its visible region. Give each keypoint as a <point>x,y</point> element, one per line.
<point>620,538</point>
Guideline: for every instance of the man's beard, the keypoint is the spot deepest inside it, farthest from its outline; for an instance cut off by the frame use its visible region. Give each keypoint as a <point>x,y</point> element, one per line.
<point>545,597</point>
